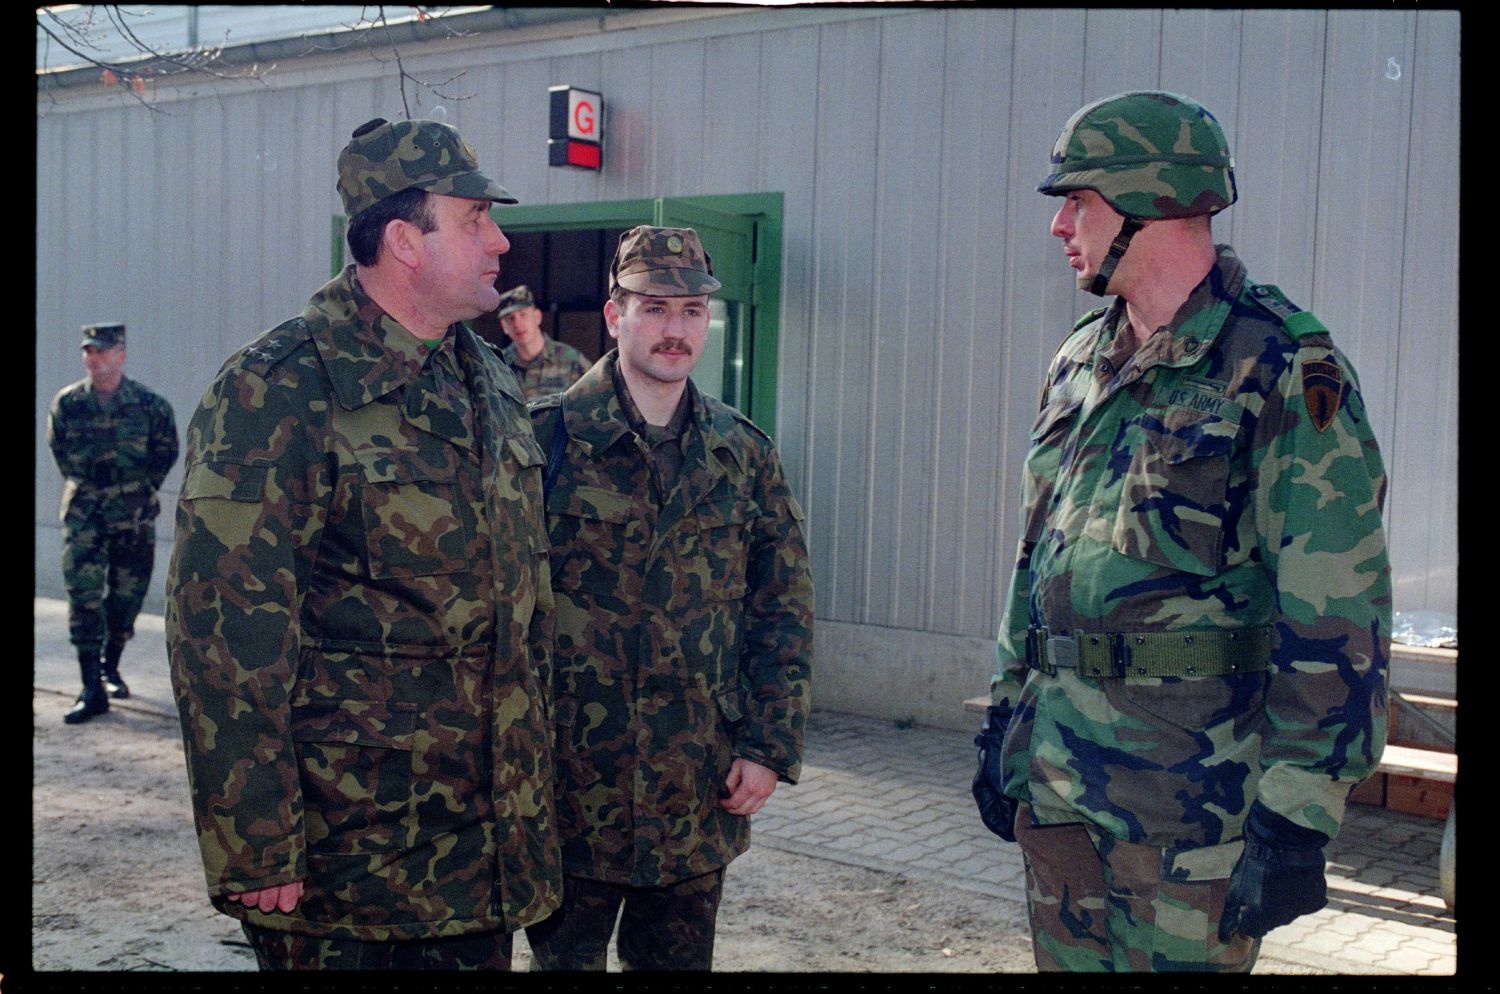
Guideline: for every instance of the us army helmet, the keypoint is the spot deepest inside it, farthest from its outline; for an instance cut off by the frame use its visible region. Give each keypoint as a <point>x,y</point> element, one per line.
<point>1150,155</point>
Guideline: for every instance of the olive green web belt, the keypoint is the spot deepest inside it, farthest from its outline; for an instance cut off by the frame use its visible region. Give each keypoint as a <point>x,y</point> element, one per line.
<point>1120,654</point>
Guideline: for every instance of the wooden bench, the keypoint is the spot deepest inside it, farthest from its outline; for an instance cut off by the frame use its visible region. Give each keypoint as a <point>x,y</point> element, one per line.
<point>1425,764</point>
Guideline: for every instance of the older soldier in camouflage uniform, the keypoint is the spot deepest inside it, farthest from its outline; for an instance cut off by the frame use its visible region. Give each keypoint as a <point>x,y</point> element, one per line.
<point>358,611</point>
<point>684,625</point>
<point>542,365</point>
<point>1200,610</point>
<point>114,442</point>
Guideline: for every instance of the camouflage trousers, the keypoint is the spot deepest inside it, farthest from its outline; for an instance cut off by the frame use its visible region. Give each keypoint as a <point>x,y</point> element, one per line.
<point>106,574</point>
<point>661,928</point>
<point>1101,905</point>
<point>275,950</point>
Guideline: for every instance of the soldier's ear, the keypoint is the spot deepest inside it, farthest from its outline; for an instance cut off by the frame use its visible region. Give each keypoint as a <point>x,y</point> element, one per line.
<point>612,317</point>
<point>402,241</point>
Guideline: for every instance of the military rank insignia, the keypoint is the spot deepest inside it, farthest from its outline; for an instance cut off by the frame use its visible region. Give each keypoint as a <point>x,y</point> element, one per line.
<point>1322,391</point>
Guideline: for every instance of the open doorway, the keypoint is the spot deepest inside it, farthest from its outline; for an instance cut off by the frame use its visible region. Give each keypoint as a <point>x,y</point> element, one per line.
<point>567,272</point>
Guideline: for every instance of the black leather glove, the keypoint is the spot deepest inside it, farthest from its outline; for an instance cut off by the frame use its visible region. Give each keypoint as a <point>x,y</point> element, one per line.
<point>1279,876</point>
<point>997,810</point>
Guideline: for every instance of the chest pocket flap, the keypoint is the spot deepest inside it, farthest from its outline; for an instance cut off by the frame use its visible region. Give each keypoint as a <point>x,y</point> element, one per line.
<point>417,520</point>
<point>1173,498</point>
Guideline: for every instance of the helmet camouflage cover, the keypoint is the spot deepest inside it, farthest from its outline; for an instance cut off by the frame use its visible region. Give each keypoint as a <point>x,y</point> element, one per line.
<point>1149,154</point>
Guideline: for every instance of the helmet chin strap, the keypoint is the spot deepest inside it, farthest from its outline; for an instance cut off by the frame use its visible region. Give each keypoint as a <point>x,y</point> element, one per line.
<point>1117,248</point>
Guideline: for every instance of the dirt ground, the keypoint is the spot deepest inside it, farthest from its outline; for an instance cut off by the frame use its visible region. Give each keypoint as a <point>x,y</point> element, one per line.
<point>117,883</point>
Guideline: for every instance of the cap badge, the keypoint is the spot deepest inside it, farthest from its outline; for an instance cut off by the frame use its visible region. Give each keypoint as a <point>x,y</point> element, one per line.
<point>674,243</point>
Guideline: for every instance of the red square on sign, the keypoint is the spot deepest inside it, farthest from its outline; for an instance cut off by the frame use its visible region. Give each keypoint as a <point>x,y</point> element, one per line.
<point>583,154</point>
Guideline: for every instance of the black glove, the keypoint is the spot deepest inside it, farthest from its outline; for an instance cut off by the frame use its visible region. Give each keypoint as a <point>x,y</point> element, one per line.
<point>1279,876</point>
<point>997,810</point>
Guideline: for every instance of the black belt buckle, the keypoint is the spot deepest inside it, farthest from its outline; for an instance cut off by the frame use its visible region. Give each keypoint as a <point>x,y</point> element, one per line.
<point>1119,655</point>
<point>1033,647</point>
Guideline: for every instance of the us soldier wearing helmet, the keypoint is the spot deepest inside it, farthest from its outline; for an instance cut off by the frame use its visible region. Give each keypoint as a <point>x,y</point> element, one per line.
<point>1193,652</point>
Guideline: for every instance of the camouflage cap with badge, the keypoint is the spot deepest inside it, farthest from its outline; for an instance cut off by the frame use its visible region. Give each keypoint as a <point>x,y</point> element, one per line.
<point>383,158</point>
<point>103,335</point>
<point>663,262</point>
<point>516,299</point>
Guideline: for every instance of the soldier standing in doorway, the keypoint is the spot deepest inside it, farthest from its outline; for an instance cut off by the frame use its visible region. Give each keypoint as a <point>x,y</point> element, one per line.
<point>542,364</point>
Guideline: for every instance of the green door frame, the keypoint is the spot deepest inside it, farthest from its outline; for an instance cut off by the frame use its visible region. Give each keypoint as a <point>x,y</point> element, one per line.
<point>765,209</point>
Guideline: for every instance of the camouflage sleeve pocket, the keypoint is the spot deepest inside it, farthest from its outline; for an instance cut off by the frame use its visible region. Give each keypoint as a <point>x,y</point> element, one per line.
<point>355,759</point>
<point>1173,499</point>
<point>225,480</point>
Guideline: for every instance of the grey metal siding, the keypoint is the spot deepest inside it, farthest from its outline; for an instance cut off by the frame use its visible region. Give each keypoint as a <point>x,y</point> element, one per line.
<point>921,294</point>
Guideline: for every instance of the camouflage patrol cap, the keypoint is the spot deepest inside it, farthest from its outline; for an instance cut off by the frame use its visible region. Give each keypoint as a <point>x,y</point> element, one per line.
<point>517,299</point>
<point>103,335</point>
<point>664,262</point>
<point>1148,153</point>
<point>383,159</point>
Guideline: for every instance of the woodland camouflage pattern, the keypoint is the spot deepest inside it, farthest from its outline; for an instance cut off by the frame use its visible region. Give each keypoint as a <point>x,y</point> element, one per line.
<point>684,634</point>
<point>383,159</point>
<point>113,460</point>
<point>558,367</point>
<point>1228,480</point>
<point>359,709</point>
<point>1149,154</point>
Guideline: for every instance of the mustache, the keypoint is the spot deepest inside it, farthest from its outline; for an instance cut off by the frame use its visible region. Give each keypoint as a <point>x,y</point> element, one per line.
<point>675,344</point>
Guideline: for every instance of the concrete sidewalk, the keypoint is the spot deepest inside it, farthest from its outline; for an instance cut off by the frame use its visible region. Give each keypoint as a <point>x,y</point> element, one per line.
<point>897,800</point>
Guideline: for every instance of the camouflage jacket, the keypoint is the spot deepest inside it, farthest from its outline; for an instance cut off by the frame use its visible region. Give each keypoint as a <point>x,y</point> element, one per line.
<point>113,459</point>
<point>1225,478</point>
<point>359,629</point>
<point>684,634</point>
<point>557,367</point>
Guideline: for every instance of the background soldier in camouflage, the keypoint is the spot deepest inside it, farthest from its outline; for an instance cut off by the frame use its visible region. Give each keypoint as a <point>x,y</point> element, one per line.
<point>684,625</point>
<point>358,611</point>
<point>542,365</point>
<point>1200,610</point>
<point>114,442</point>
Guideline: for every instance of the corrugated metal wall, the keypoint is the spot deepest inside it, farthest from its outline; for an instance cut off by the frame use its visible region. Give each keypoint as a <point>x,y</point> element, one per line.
<point>921,294</point>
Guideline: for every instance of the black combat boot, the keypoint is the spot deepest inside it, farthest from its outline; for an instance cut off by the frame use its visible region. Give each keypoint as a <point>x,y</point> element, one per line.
<point>112,681</point>
<point>93,700</point>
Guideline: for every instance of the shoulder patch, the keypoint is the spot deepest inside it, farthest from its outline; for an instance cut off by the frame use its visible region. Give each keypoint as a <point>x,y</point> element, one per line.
<point>1089,318</point>
<point>263,354</point>
<point>1322,391</point>
<point>1297,322</point>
